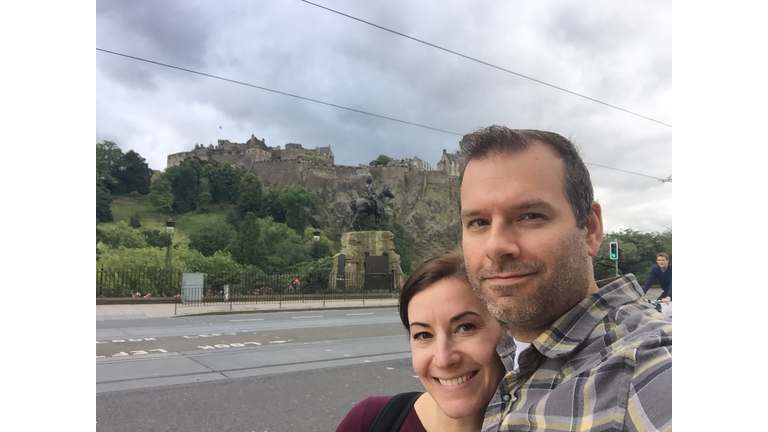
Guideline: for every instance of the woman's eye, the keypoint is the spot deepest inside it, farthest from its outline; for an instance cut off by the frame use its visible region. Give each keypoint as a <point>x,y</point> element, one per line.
<point>421,336</point>
<point>466,328</point>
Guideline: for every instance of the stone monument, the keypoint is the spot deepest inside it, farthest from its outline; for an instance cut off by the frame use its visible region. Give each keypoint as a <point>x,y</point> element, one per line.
<point>367,261</point>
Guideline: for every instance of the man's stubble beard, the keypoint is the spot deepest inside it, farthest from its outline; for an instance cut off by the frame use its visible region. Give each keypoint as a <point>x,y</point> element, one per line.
<point>557,291</point>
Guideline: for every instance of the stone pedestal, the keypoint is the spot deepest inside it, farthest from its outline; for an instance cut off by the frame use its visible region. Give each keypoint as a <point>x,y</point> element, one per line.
<point>354,247</point>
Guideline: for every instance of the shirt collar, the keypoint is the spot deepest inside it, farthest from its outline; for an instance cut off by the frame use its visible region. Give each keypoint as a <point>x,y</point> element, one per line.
<point>571,329</point>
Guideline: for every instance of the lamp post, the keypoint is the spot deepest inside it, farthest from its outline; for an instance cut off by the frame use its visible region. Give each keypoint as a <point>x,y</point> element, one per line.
<point>170,227</point>
<point>316,238</point>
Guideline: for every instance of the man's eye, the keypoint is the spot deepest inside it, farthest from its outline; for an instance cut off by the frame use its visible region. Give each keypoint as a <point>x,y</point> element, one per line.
<point>478,222</point>
<point>531,216</point>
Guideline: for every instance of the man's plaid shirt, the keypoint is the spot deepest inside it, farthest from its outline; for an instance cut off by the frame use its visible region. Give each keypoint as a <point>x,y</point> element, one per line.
<point>606,365</point>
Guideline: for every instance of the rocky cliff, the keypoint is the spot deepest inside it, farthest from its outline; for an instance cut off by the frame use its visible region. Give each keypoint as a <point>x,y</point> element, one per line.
<point>425,203</point>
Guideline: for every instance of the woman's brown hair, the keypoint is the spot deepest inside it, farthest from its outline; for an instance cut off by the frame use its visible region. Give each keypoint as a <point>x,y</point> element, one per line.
<point>445,266</point>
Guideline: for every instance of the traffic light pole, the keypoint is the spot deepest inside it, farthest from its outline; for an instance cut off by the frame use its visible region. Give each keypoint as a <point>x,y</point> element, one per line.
<point>613,253</point>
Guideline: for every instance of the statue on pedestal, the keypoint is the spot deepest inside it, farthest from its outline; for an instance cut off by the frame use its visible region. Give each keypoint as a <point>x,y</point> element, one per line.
<point>372,204</point>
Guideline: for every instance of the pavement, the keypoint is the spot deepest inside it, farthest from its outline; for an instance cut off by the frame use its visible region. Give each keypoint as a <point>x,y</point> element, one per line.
<point>170,310</point>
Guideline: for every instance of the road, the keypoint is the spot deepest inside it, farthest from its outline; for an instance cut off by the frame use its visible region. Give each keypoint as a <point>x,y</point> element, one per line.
<point>251,372</point>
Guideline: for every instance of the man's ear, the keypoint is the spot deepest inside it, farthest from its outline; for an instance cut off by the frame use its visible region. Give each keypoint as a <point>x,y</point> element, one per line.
<point>594,229</point>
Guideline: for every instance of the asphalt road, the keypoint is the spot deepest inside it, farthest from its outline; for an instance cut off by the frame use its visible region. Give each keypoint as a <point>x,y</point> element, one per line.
<point>258,372</point>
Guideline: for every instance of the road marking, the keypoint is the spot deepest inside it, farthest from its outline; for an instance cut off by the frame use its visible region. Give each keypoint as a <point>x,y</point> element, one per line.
<point>313,316</point>
<point>220,346</point>
<point>364,313</point>
<point>243,320</point>
<point>129,340</point>
<point>277,341</point>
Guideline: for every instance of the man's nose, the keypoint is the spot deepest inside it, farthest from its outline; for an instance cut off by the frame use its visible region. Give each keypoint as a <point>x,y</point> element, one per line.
<point>502,243</point>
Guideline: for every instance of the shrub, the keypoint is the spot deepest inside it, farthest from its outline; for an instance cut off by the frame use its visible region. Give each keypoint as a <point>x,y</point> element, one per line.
<point>121,234</point>
<point>135,221</point>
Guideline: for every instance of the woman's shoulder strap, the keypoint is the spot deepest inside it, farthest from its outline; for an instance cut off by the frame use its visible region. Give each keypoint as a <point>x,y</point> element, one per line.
<point>394,412</point>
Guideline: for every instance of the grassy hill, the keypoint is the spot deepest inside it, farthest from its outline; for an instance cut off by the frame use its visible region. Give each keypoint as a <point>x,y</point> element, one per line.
<point>123,207</point>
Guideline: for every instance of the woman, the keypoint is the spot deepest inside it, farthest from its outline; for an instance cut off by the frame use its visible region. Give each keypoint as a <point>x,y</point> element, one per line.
<point>453,343</point>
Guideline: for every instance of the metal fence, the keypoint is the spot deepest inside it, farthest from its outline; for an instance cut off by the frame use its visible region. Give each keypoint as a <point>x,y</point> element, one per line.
<point>247,286</point>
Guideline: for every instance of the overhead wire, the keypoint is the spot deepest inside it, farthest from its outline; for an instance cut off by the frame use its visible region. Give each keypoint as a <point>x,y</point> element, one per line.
<point>485,63</point>
<point>277,91</point>
<point>312,100</point>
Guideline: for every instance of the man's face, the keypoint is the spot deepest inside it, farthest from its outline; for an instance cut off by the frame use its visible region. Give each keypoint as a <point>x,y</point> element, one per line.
<point>527,260</point>
<point>662,262</point>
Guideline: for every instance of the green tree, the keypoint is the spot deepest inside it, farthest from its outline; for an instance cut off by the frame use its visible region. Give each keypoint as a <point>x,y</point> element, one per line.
<point>403,246</point>
<point>185,185</point>
<point>247,248</point>
<point>107,154</point>
<point>211,239</point>
<point>218,262</point>
<point>317,249</point>
<point>637,253</point>
<point>224,181</point>
<point>155,238</point>
<point>121,234</point>
<point>299,204</point>
<point>382,160</point>
<point>270,206</point>
<point>249,195</point>
<point>140,258</point>
<point>135,221</point>
<point>103,202</point>
<point>161,194</point>
<point>131,173</point>
<point>204,199</point>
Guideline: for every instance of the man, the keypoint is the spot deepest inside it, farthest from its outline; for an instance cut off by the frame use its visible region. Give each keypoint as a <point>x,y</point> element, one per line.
<point>661,273</point>
<point>578,355</point>
<point>370,194</point>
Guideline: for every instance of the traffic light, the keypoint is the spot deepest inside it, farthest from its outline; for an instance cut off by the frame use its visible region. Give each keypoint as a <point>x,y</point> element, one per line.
<point>614,250</point>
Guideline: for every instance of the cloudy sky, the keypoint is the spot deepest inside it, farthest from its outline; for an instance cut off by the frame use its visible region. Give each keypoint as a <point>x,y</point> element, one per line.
<point>619,53</point>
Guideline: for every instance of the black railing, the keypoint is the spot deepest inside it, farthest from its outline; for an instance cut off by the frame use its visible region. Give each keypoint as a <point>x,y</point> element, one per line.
<point>246,286</point>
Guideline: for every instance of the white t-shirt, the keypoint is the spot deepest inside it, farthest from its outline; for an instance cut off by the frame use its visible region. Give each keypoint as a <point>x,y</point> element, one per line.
<point>519,348</point>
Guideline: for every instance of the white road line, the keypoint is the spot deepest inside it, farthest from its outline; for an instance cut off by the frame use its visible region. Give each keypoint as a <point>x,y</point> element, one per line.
<point>313,316</point>
<point>364,313</point>
<point>243,320</point>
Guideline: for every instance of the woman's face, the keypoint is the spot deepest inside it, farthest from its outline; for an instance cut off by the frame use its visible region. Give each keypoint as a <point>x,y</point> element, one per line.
<point>453,340</point>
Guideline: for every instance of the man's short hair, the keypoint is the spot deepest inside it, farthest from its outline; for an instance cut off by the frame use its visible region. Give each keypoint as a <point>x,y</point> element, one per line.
<point>662,254</point>
<point>500,140</point>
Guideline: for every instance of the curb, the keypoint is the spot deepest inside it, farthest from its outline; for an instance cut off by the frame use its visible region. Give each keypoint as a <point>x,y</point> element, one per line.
<point>307,309</point>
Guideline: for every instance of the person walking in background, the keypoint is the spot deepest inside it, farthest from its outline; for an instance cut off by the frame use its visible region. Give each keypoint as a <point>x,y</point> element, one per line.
<point>453,345</point>
<point>579,355</point>
<point>661,273</point>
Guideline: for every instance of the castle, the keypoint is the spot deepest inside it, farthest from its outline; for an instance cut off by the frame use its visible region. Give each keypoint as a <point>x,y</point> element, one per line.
<point>253,150</point>
<point>245,155</point>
